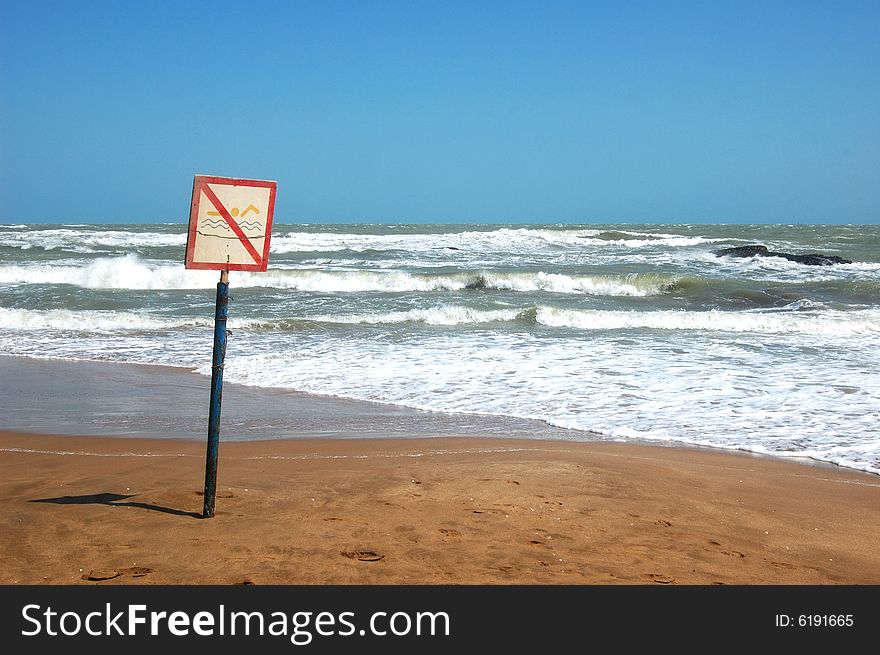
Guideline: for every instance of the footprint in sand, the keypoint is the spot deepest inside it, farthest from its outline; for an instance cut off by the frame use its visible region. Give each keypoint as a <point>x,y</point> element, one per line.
<point>362,555</point>
<point>97,575</point>
<point>729,553</point>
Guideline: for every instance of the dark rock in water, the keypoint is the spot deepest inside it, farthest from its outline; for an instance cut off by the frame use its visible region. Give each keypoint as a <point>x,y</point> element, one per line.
<point>811,259</point>
<point>743,251</point>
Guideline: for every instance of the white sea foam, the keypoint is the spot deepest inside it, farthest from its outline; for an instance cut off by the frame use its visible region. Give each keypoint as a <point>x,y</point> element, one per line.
<point>860,266</point>
<point>788,320</point>
<point>399,281</point>
<point>91,320</point>
<point>131,272</point>
<point>827,322</point>
<point>698,389</point>
<point>670,241</point>
<point>632,285</point>
<point>86,241</point>
<point>510,240</point>
<point>128,272</point>
<point>439,315</point>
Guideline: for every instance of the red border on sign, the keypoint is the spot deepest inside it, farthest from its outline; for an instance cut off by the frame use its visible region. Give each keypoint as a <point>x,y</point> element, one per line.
<point>261,260</point>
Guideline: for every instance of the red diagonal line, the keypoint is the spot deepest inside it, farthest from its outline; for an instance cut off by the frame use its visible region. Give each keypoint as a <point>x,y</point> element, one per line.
<point>228,218</point>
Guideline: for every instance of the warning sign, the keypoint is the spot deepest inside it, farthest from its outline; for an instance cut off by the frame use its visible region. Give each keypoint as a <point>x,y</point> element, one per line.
<point>230,223</point>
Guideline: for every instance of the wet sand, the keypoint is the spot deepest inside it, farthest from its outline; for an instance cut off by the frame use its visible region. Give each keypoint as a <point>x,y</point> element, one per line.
<point>85,398</point>
<point>429,510</point>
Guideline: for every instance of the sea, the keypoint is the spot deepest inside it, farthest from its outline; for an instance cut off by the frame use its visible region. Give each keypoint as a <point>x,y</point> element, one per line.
<point>615,332</point>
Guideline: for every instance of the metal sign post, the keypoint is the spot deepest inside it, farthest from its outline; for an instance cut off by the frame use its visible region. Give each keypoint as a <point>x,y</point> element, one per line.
<point>221,312</point>
<point>230,223</point>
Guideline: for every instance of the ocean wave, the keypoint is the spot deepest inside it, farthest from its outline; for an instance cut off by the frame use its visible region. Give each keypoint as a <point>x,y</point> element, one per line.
<point>439,315</point>
<point>800,317</point>
<point>860,266</point>
<point>671,241</point>
<point>87,241</point>
<point>127,272</point>
<point>131,272</point>
<point>92,320</point>
<point>106,321</point>
<point>826,323</point>
<point>504,240</point>
<point>620,285</point>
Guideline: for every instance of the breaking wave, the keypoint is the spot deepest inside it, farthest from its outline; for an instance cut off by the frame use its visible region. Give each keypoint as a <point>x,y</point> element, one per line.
<point>131,272</point>
<point>826,323</point>
<point>788,320</point>
<point>92,320</point>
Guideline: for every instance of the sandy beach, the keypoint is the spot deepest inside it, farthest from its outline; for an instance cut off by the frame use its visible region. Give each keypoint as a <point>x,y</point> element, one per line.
<point>430,510</point>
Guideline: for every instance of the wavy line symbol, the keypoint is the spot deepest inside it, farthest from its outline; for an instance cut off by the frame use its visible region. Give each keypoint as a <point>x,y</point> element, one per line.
<point>253,228</point>
<point>207,223</point>
<point>210,223</point>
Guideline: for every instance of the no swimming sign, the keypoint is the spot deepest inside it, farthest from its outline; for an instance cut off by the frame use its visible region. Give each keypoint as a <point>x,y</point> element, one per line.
<point>230,224</point>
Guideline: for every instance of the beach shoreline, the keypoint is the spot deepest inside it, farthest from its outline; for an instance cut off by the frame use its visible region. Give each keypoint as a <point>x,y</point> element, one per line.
<point>150,401</point>
<point>130,400</point>
<point>431,510</point>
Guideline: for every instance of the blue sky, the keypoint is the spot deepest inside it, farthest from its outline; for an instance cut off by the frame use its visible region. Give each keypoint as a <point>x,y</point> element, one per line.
<point>444,111</point>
